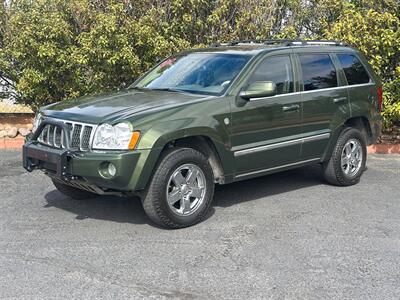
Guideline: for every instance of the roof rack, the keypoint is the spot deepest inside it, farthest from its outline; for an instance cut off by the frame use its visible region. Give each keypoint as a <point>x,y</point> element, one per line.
<point>285,42</point>
<point>318,42</point>
<point>252,42</point>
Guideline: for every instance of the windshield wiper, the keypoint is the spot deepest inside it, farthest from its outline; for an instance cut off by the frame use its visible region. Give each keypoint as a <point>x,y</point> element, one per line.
<point>166,89</point>
<point>137,88</point>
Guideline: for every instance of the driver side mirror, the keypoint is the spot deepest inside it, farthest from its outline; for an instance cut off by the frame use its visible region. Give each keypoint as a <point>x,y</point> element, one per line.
<point>259,89</point>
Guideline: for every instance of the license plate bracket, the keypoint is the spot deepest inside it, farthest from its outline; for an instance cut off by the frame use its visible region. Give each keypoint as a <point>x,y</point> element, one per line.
<point>53,160</point>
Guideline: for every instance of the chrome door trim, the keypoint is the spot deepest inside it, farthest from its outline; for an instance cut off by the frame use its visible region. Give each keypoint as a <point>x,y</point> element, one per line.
<point>317,137</point>
<point>267,147</point>
<point>315,91</point>
<point>282,144</point>
<point>338,88</point>
<point>278,167</point>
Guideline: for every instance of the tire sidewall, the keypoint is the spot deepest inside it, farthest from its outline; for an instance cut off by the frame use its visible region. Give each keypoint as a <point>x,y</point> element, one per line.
<point>348,134</point>
<point>172,162</point>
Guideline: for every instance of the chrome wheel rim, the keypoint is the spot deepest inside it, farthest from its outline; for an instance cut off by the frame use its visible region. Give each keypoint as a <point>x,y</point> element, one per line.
<point>186,190</point>
<point>352,156</point>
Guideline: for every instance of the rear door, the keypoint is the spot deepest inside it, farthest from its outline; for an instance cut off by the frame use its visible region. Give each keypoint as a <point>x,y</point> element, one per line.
<point>361,88</point>
<point>266,131</point>
<point>325,101</point>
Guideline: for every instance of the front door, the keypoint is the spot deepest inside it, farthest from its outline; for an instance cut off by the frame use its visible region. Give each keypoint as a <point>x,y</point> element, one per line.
<point>266,132</point>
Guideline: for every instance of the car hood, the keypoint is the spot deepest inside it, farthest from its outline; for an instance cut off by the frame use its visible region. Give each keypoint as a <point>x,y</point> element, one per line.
<point>117,106</point>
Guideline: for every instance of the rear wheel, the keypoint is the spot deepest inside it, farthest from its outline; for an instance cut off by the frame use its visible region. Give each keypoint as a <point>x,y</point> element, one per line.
<point>347,163</point>
<point>72,192</point>
<point>181,190</point>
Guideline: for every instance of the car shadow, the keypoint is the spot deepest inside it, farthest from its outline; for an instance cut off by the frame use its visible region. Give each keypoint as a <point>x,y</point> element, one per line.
<point>269,185</point>
<point>110,208</point>
<point>130,210</point>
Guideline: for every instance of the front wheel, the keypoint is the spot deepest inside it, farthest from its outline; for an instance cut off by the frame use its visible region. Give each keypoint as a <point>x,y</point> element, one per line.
<point>181,190</point>
<point>349,156</point>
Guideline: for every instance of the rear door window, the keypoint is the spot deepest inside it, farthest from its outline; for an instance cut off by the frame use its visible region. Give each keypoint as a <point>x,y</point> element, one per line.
<point>353,69</point>
<point>318,71</point>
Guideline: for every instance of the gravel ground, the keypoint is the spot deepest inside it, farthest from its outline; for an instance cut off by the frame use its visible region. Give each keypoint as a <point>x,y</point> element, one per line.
<point>287,235</point>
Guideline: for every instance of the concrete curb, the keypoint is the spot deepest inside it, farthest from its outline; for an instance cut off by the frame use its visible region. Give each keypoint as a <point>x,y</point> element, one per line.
<point>12,143</point>
<point>384,149</point>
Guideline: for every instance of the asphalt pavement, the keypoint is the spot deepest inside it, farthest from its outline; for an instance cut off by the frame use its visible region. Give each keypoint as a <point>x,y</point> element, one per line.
<point>283,236</point>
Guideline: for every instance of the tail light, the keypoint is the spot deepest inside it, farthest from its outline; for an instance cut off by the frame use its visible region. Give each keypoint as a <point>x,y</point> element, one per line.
<point>380,97</point>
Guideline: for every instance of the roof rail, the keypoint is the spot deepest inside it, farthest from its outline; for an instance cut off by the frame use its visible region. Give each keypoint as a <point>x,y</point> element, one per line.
<point>251,42</point>
<point>318,42</point>
<point>285,42</point>
<point>262,42</point>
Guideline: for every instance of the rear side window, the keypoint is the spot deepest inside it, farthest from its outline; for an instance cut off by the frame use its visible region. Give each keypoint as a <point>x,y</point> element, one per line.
<point>353,68</point>
<point>318,71</point>
<point>277,69</point>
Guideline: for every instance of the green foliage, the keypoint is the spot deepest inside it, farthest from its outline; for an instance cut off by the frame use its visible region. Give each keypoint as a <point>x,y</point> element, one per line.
<point>377,35</point>
<point>2,22</point>
<point>53,50</point>
<point>391,101</point>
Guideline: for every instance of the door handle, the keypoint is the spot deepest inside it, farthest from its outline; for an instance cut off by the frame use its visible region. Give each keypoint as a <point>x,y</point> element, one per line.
<point>291,107</point>
<point>340,99</point>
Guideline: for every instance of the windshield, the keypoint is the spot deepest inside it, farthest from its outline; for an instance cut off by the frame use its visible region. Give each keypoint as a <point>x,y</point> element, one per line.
<point>202,73</point>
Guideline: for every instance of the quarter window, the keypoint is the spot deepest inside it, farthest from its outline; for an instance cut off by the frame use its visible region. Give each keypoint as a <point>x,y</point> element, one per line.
<point>353,69</point>
<point>318,72</point>
<point>277,69</point>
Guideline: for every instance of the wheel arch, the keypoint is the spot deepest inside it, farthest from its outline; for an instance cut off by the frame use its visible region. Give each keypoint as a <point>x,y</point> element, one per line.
<point>359,122</point>
<point>206,146</point>
<point>203,143</point>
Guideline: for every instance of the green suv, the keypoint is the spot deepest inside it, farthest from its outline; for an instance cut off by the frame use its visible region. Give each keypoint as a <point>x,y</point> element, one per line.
<point>217,115</point>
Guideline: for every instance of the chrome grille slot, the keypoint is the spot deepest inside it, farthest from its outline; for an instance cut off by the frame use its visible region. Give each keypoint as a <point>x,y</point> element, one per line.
<point>57,136</point>
<point>81,135</point>
<point>50,135</point>
<point>44,134</point>
<point>70,127</point>
<point>76,134</point>
<point>85,140</point>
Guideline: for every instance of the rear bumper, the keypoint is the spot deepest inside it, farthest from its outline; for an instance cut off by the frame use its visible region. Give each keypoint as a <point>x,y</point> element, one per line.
<point>83,168</point>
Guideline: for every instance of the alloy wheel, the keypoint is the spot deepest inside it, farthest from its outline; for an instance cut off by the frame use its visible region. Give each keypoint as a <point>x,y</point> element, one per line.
<point>352,156</point>
<point>186,189</point>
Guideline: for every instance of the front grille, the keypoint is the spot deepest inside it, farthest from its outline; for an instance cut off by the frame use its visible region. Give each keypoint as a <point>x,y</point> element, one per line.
<point>81,135</point>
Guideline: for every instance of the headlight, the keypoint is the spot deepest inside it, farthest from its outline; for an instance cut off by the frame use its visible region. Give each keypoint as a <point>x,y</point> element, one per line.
<point>36,121</point>
<point>117,137</point>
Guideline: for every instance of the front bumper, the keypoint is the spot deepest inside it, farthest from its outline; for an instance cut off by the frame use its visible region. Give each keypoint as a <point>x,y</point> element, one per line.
<point>83,169</point>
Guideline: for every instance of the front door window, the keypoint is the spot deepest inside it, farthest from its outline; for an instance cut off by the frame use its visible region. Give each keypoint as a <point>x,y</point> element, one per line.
<point>277,69</point>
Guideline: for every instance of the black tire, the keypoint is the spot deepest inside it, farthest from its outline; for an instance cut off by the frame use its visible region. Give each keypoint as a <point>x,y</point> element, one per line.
<point>154,199</point>
<point>333,172</point>
<point>72,192</point>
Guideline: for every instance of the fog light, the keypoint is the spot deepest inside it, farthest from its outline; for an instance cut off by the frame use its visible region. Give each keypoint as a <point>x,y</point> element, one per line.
<point>112,170</point>
<point>107,170</point>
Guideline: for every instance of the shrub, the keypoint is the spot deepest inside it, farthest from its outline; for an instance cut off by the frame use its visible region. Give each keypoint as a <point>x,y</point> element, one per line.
<point>54,50</point>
